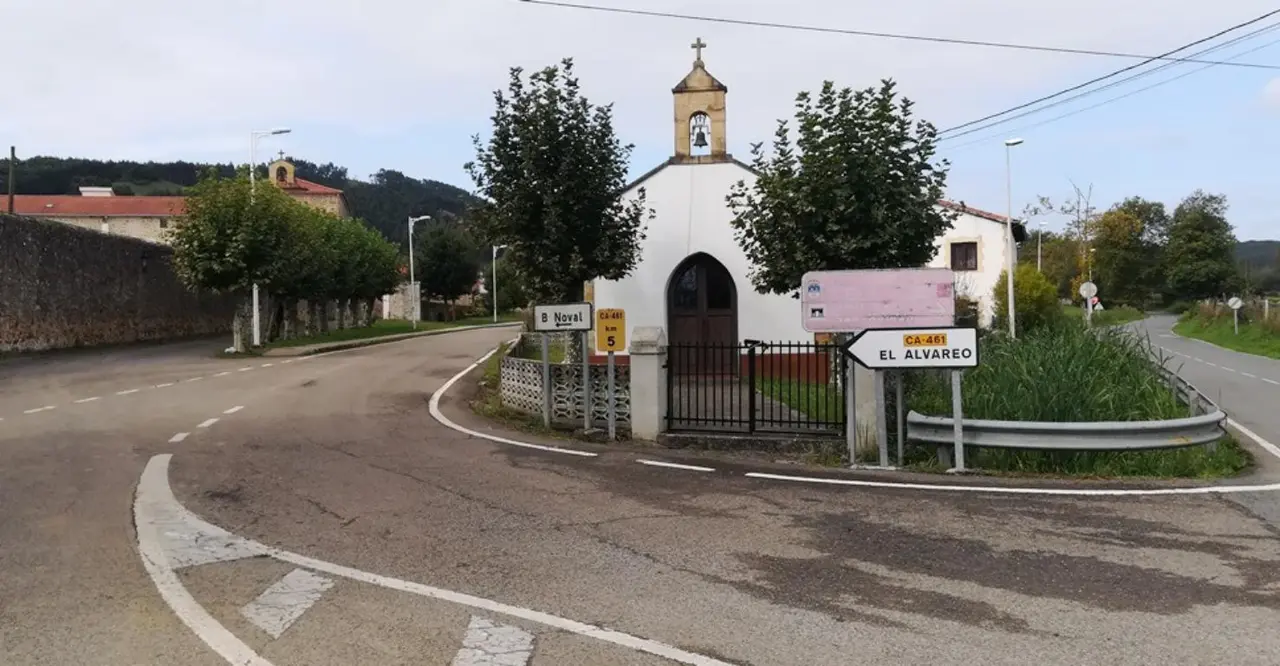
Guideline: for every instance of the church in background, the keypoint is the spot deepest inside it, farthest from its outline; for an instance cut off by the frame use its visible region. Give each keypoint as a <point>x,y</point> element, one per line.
<point>691,279</point>
<point>147,218</point>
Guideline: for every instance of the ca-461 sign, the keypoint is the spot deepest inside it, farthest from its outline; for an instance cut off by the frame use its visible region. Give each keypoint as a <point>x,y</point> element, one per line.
<point>566,317</point>
<point>890,348</point>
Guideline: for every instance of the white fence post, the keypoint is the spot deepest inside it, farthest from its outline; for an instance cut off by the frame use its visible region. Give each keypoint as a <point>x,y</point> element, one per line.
<point>648,350</point>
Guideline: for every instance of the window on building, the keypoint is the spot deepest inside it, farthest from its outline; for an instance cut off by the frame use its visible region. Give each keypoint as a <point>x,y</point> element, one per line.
<point>164,224</point>
<point>964,256</point>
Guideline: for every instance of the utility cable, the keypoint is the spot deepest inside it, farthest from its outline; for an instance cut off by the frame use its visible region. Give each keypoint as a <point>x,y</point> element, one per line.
<point>889,35</point>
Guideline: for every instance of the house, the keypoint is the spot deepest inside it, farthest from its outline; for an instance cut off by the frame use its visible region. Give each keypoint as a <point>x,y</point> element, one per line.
<point>691,279</point>
<point>147,218</point>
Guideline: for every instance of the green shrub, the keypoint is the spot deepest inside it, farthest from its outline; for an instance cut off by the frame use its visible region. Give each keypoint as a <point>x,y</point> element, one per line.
<point>1035,300</point>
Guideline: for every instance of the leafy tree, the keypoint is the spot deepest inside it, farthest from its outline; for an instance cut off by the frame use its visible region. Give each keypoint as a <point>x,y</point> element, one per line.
<point>551,175</point>
<point>1199,260</point>
<point>446,263</point>
<point>510,292</point>
<point>855,188</point>
<point>1123,259</point>
<point>1035,302</point>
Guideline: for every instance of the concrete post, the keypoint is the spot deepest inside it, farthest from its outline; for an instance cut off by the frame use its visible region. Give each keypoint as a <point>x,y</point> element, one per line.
<point>648,382</point>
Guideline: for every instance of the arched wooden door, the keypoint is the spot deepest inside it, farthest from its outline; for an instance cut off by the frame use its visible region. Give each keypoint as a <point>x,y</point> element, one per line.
<point>702,317</point>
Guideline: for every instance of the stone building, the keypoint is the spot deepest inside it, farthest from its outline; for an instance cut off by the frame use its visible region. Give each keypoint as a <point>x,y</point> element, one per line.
<point>147,218</point>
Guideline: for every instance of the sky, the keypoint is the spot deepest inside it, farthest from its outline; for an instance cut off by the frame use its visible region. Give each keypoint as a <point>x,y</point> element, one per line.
<point>405,85</point>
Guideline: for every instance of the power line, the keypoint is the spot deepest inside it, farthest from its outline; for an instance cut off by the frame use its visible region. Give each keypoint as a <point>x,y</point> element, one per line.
<point>888,35</point>
<point>1122,71</point>
<point>1110,99</point>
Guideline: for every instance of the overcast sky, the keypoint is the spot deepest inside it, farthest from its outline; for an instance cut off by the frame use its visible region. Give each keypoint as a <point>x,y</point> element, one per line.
<point>403,85</point>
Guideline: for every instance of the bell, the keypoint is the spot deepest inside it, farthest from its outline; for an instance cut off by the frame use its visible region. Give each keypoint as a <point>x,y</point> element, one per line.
<point>700,140</point>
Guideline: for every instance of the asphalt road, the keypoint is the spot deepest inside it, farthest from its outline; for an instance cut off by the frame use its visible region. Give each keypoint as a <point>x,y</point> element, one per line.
<point>361,531</point>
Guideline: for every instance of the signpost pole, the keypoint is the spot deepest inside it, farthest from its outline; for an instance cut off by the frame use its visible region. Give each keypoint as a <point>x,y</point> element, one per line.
<point>1235,320</point>
<point>546,381</point>
<point>957,413</point>
<point>850,411</point>
<point>586,380</point>
<point>613,414</point>
<point>897,385</point>
<point>882,429</point>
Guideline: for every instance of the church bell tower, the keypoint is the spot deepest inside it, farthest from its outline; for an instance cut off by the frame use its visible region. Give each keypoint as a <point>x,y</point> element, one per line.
<point>700,114</point>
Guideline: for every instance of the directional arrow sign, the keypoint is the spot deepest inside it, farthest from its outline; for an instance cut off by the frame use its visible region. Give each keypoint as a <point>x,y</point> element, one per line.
<point>890,348</point>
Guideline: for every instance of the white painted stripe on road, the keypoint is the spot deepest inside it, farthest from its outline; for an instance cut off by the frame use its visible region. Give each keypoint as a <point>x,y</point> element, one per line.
<point>1017,490</point>
<point>37,410</point>
<point>235,409</point>
<point>1267,446</point>
<point>81,401</point>
<point>659,463</point>
<point>223,374</point>
<point>178,437</point>
<point>245,368</point>
<point>208,422</point>
<point>488,643</point>
<point>1228,369</point>
<point>267,365</point>
<point>434,407</point>
<point>277,608</point>
<point>164,385</point>
<point>1250,375</point>
<point>1211,364</point>
<point>286,361</point>
<point>193,379</point>
<point>127,392</point>
<point>1194,358</point>
<point>153,498</point>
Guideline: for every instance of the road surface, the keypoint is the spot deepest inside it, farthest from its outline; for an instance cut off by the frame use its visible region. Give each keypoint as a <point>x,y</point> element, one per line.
<point>334,522</point>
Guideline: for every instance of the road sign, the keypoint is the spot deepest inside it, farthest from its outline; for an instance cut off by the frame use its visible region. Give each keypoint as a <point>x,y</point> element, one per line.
<point>611,329</point>
<point>894,348</point>
<point>1088,290</point>
<point>1235,303</point>
<point>847,301</point>
<point>565,317</point>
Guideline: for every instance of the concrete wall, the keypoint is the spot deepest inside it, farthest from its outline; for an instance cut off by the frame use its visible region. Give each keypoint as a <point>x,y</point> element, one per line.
<point>66,286</point>
<point>145,228</point>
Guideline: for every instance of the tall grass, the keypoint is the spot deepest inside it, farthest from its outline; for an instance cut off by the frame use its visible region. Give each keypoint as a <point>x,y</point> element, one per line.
<point>1213,322</point>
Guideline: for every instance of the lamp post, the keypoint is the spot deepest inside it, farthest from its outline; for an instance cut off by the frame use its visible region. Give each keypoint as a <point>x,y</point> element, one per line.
<point>253,166</point>
<point>1008,240</point>
<point>1091,251</point>
<point>493,288</point>
<point>1040,247</point>
<point>417,295</point>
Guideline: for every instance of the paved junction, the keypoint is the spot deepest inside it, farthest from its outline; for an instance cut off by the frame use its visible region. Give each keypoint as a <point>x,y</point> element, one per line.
<point>313,512</point>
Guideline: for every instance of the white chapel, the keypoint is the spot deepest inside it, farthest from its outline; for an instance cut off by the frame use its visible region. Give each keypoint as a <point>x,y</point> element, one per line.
<point>692,277</point>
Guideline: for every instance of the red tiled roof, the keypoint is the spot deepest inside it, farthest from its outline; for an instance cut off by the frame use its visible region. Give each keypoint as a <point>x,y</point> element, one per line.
<point>78,206</point>
<point>309,187</point>
<point>976,212</point>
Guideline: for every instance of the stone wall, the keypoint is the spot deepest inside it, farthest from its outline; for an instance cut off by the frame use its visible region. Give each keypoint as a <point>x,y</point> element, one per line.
<point>65,286</point>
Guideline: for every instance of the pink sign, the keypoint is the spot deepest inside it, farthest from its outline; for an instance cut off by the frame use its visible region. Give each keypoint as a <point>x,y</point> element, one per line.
<point>847,301</point>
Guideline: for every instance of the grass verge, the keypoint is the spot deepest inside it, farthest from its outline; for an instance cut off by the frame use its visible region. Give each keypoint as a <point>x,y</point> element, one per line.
<point>1254,337</point>
<point>385,327</point>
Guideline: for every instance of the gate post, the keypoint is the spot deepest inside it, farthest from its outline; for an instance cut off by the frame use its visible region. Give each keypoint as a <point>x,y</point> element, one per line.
<point>648,350</point>
<point>751,389</point>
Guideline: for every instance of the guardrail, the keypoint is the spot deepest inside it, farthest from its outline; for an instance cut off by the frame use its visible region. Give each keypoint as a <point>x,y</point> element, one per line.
<point>1204,425</point>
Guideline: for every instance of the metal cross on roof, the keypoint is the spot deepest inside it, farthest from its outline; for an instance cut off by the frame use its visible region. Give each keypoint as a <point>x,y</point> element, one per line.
<point>698,45</point>
<point>281,153</point>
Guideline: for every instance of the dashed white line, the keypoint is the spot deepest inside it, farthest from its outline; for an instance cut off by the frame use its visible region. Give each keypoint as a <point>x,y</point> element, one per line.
<point>659,463</point>
<point>81,401</point>
<point>178,437</point>
<point>1271,381</point>
<point>1197,359</point>
<point>1227,369</point>
<point>286,361</point>
<point>207,422</point>
<point>235,409</point>
<point>127,392</point>
<point>193,379</point>
<point>164,385</point>
<point>245,368</point>
<point>267,365</point>
<point>223,374</point>
<point>37,410</point>
<point>1250,375</point>
<point>1210,364</point>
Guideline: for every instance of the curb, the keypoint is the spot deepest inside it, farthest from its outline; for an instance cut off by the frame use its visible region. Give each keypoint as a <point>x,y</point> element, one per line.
<point>323,348</point>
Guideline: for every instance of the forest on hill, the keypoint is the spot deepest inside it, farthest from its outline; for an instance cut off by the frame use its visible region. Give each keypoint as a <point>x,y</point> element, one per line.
<point>385,201</point>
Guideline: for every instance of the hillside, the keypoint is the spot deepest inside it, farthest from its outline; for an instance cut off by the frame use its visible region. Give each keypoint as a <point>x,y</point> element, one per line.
<point>385,201</point>
<point>1258,253</point>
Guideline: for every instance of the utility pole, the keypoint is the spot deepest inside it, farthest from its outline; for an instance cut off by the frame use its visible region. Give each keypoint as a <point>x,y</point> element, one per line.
<point>13,170</point>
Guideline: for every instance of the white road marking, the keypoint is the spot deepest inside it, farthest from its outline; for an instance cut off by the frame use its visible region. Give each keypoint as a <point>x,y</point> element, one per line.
<point>1268,446</point>
<point>659,463</point>
<point>223,374</point>
<point>1271,381</point>
<point>245,368</point>
<point>178,437</point>
<point>37,410</point>
<point>277,608</point>
<point>267,365</point>
<point>207,422</point>
<point>1228,369</point>
<point>81,401</point>
<point>164,385</point>
<point>434,407</point>
<point>235,409</point>
<point>488,643</point>
<point>1194,358</point>
<point>171,537</point>
<point>1210,364</point>
<point>1250,375</point>
<point>127,392</point>
<point>286,361</point>
<point>1166,335</point>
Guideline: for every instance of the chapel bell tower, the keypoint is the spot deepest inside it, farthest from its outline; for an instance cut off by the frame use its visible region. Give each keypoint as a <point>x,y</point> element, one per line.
<point>699,114</point>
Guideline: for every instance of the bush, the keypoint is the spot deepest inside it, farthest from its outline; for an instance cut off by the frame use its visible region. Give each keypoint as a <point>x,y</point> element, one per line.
<point>1035,300</point>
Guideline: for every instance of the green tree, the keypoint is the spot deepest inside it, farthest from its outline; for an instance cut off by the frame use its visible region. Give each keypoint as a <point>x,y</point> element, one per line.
<point>1035,301</point>
<point>1122,259</point>
<point>855,188</point>
<point>510,293</point>
<point>1199,259</point>
<point>446,263</point>
<point>551,175</point>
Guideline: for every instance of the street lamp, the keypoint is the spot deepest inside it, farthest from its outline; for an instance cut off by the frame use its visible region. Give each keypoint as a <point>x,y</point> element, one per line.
<point>1091,251</point>
<point>1009,246</point>
<point>1040,246</point>
<point>253,166</point>
<point>493,288</point>
<point>417,302</point>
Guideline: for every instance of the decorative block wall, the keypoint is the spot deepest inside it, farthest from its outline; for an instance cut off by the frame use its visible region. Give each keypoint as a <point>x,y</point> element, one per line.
<point>521,388</point>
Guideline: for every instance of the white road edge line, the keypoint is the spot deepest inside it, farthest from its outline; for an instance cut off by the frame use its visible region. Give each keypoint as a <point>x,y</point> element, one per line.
<point>207,422</point>
<point>223,374</point>
<point>178,437</point>
<point>155,506</point>
<point>127,392</point>
<point>37,410</point>
<point>1271,381</point>
<point>1268,446</point>
<point>659,463</point>
<point>193,379</point>
<point>434,408</point>
<point>154,490</point>
<point>164,385</point>
<point>81,401</point>
<point>235,409</point>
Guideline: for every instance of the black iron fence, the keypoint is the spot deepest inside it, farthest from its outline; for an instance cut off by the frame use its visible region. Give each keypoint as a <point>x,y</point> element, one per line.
<point>756,387</point>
